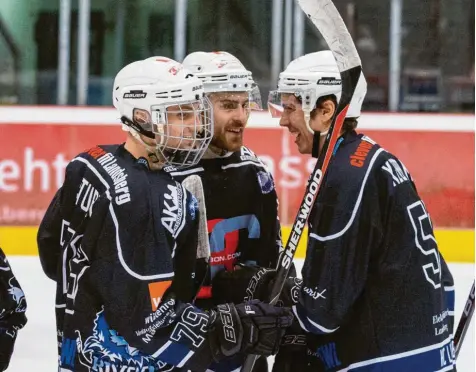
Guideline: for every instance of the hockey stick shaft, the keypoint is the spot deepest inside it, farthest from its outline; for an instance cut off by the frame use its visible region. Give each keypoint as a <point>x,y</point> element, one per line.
<point>328,21</point>
<point>194,184</point>
<point>464,322</point>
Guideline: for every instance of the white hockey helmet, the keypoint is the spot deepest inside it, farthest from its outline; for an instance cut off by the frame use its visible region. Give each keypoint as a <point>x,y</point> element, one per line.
<point>178,115</point>
<point>310,77</point>
<point>223,72</point>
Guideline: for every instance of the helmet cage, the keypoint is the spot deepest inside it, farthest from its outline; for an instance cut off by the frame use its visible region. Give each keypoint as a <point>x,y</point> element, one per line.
<point>182,131</point>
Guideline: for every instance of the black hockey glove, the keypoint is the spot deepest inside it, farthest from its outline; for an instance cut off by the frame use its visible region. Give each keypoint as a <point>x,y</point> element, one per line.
<point>252,282</point>
<point>251,328</point>
<point>245,283</point>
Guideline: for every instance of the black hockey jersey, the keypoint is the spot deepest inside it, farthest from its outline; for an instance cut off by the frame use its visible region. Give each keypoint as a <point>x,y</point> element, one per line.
<point>376,294</point>
<point>120,241</point>
<point>12,310</point>
<point>242,214</point>
<point>243,225</point>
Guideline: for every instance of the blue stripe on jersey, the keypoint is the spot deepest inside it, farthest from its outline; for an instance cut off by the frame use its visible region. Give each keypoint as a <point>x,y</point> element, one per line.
<point>450,299</point>
<point>434,358</point>
<point>175,354</point>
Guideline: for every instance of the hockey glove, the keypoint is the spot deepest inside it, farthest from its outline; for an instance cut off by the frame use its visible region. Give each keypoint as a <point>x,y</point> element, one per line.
<point>252,282</point>
<point>251,328</point>
<point>242,284</point>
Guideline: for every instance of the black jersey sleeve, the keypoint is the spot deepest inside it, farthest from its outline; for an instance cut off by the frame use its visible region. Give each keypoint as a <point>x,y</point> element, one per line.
<point>12,310</point>
<point>271,242</point>
<point>64,210</point>
<point>48,238</point>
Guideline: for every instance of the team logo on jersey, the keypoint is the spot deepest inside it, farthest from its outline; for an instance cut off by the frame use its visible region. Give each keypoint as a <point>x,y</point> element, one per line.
<point>172,213</point>
<point>247,155</point>
<point>265,182</point>
<point>18,296</point>
<point>106,350</point>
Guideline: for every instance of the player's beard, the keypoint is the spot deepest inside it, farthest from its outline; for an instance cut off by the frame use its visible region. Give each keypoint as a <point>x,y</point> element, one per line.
<point>230,138</point>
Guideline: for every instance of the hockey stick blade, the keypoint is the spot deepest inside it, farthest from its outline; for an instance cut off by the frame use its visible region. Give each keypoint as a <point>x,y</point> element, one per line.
<point>464,322</point>
<point>325,16</point>
<point>194,184</point>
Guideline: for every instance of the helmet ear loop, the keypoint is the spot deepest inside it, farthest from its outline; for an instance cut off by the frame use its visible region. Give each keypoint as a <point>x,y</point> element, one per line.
<point>306,100</point>
<point>307,119</point>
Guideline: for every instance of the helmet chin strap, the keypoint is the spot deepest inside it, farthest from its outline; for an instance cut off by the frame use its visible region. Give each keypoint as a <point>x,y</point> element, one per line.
<point>316,141</point>
<point>152,154</point>
<point>307,119</point>
<point>316,135</point>
<point>136,130</point>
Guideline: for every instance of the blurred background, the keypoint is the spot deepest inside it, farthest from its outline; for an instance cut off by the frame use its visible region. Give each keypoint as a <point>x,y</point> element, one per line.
<point>58,59</point>
<point>418,55</point>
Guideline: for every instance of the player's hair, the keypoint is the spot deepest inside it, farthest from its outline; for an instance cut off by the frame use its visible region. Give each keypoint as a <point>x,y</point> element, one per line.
<point>349,123</point>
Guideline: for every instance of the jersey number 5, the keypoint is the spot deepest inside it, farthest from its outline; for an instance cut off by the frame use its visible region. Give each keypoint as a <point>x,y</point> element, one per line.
<point>426,242</point>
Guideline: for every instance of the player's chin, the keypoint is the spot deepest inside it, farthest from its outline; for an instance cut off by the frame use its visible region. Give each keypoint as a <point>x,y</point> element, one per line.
<point>304,147</point>
<point>233,141</point>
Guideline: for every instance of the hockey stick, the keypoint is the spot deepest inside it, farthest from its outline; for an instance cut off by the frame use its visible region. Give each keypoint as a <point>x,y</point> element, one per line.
<point>194,184</point>
<point>464,322</point>
<point>328,21</point>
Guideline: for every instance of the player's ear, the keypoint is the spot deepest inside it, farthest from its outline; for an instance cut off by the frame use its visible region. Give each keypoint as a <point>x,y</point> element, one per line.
<point>328,109</point>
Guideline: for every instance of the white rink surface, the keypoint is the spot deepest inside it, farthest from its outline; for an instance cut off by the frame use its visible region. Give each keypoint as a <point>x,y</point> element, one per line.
<point>35,349</point>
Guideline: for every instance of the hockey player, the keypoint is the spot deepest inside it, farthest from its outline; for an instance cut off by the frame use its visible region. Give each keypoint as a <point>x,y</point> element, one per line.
<point>120,240</point>
<point>12,311</point>
<point>241,201</point>
<point>376,294</point>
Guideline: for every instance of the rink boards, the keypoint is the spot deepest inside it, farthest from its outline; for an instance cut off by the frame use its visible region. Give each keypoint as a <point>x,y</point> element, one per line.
<point>437,149</point>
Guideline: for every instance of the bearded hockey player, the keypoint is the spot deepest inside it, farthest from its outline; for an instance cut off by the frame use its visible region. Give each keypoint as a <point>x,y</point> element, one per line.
<point>240,198</point>
<point>376,294</point>
<point>120,240</point>
<point>12,311</point>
